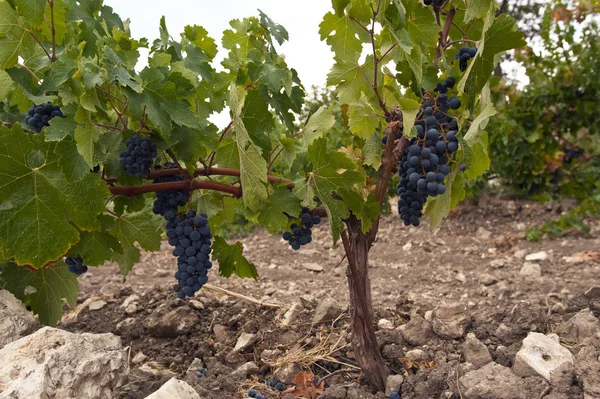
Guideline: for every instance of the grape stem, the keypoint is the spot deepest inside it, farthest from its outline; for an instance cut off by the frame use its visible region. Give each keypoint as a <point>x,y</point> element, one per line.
<point>211,157</point>
<point>444,33</point>
<point>40,43</point>
<point>51,3</point>
<point>132,191</point>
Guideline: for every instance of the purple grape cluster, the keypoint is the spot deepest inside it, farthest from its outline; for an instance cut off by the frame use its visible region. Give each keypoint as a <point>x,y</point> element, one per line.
<point>190,235</point>
<point>169,200</point>
<point>76,265</point>
<point>302,234</point>
<point>139,156</point>
<point>424,164</point>
<point>39,116</point>
<point>464,55</point>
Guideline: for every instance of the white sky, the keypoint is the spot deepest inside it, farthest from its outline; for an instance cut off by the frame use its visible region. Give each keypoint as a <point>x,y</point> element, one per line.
<point>304,51</point>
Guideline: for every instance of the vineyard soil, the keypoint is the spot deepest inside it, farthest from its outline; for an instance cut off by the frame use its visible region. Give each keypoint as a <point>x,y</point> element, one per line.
<point>475,258</point>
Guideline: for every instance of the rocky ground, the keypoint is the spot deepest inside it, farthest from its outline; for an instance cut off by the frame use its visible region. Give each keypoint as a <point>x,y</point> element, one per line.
<point>470,311</point>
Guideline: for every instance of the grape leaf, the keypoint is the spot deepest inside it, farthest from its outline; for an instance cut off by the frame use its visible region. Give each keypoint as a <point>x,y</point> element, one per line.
<point>439,207</point>
<point>372,151</point>
<point>231,259</point>
<point>363,120</point>
<point>97,247</point>
<point>5,83</point>
<point>331,172</point>
<point>13,36</point>
<point>476,153</point>
<point>342,34</point>
<point>53,285</point>
<point>32,9</point>
<point>278,31</point>
<point>36,198</point>
<point>477,9</point>
<point>317,125</point>
<point>281,200</point>
<point>199,37</point>
<point>135,227</point>
<point>350,79</point>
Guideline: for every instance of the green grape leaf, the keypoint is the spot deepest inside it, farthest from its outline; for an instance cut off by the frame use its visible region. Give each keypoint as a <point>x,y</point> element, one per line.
<point>332,171</point>
<point>227,154</point>
<point>476,9</point>
<point>410,109</point>
<point>423,30</point>
<point>363,120</point>
<point>477,158</point>
<point>317,125</point>
<point>278,31</point>
<point>32,9</point>
<point>199,37</point>
<point>191,144</point>
<point>365,210</point>
<point>97,247</point>
<point>258,120</point>
<point>60,128</point>
<point>351,79</point>
<point>86,137</point>
<point>342,34</point>
<point>439,207</point>
<point>231,259</point>
<point>281,200</point>
<point>135,227</point>
<point>502,35</point>
<point>13,36</point>
<point>6,84</point>
<point>35,199</point>
<point>53,286</point>
<point>253,167</point>
<point>372,150</point>
<point>71,162</point>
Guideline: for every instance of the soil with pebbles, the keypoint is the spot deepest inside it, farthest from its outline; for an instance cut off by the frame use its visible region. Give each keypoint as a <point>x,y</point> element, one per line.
<point>475,258</point>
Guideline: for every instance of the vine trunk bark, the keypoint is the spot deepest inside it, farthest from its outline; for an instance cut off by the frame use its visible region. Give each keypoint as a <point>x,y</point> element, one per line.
<point>366,349</point>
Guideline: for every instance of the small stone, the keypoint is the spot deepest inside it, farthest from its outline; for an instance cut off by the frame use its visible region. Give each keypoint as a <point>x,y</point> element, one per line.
<point>415,355</point>
<point>475,351</point>
<point>460,277</point>
<point>313,267</point>
<point>129,300</point>
<point>497,263</point>
<point>220,332</point>
<point>126,324</point>
<point>179,321</point>
<point>520,254</point>
<point>246,369</point>
<point>287,373</point>
<point>15,320</point>
<point>194,368</point>
<point>579,327</point>
<point>244,341</point>
<point>175,389</point>
<point>291,315</point>
<point>97,305</point>
<point>407,247</point>
<point>307,301</point>
<point>156,369</point>
<point>593,292</point>
<point>417,331</point>
<point>139,358</point>
<point>542,255</point>
<point>487,279</point>
<point>483,234</point>
<point>450,321</point>
<point>531,270</point>
<point>540,355</point>
<point>385,324</point>
<point>393,383</point>
<point>492,381</point>
<point>327,311</point>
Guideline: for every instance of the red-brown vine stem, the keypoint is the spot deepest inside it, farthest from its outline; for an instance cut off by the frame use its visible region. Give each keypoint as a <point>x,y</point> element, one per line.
<point>53,30</point>
<point>132,191</point>
<point>445,32</point>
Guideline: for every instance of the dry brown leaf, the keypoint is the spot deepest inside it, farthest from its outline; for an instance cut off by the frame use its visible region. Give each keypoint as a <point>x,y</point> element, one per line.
<point>410,364</point>
<point>305,386</point>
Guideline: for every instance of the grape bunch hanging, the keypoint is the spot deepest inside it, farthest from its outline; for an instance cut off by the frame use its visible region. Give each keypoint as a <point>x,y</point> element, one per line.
<point>169,200</point>
<point>302,234</point>
<point>39,116</point>
<point>424,164</point>
<point>76,265</point>
<point>190,235</point>
<point>464,55</point>
<point>436,3</point>
<point>139,156</point>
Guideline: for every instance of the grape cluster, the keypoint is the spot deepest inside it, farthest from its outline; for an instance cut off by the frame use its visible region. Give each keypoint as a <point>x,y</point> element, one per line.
<point>76,265</point>
<point>436,3</point>
<point>464,55</point>
<point>394,395</point>
<point>167,200</point>
<point>302,235</point>
<point>38,117</point>
<point>424,164</point>
<point>137,159</point>
<point>190,235</point>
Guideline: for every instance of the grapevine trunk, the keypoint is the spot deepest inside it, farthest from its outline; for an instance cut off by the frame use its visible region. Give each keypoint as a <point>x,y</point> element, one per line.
<point>366,349</point>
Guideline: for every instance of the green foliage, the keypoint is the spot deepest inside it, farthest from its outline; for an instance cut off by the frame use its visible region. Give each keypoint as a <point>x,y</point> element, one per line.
<point>52,205</point>
<point>545,141</point>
